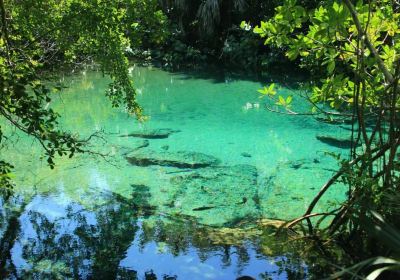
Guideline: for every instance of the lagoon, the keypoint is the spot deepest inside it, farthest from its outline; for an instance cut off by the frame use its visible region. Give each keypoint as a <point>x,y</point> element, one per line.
<point>186,194</point>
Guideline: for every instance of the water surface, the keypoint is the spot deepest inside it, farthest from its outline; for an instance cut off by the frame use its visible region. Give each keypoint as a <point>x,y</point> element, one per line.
<point>96,217</point>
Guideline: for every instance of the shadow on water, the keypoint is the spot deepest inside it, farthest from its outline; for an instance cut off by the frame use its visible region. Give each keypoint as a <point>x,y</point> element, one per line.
<point>283,74</point>
<point>49,238</point>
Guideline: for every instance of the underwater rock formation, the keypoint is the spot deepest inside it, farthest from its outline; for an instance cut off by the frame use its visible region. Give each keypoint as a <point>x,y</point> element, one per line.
<point>245,155</point>
<point>165,147</point>
<point>137,145</point>
<point>180,159</point>
<point>335,142</point>
<point>217,195</point>
<point>160,133</point>
<point>335,120</point>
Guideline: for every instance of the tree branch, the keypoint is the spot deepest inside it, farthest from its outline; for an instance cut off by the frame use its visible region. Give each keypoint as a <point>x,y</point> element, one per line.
<point>370,46</point>
<point>380,151</point>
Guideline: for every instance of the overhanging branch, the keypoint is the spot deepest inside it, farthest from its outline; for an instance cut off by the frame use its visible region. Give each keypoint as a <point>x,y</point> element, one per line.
<point>364,35</point>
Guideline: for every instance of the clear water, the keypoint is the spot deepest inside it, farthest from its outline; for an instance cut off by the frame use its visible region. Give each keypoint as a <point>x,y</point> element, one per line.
<point>99,217</point>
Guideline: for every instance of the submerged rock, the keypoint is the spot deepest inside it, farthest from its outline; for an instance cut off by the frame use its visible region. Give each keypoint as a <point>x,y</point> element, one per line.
<point>245,155</point>
<point>296,165</point>
<point>203,208</point>
<point>181,159</point>
<point>160,133</point>
<point>335,120</point>
<point>335,142</point>
<point>137,145</point>
<point>144,144</point>
<point>217,195</point>
<point>244,200</point>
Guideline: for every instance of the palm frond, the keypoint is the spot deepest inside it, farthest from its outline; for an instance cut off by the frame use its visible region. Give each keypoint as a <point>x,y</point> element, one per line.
<point>182,5</point>
<point>209,15</point>
<point>239,5</point>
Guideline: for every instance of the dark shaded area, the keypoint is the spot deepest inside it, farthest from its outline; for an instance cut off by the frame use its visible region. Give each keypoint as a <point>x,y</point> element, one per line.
<point>140,199</point>
<point>336,142</point>
<point>6,244</point>
<point>206,32</point>
<point>180,159</point>
<point>203,208</point>
<point>245,278</point>
<point>161,133</point>
<point>284,74</point>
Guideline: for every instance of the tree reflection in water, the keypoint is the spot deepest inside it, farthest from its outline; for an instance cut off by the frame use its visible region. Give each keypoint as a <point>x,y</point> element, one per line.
<point>115,238</point>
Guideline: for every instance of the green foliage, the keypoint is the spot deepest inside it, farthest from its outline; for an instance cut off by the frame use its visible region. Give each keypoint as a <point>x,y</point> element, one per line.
<point>207,15</point>
<point>146,24</point>
<point>327,36</point>
<point>268,90</point>
<point>177,52</point>
<point>210,31</point>
<point>243,48</point>
<point>37,36</point>
<point>5,179</point>
<point>356,50</point>
<point>375,267</point>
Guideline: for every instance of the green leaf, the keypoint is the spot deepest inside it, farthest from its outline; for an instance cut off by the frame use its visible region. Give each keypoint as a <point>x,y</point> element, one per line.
<point>331,66</point>
<point>304,53</point>
<point>244,25</point>
<point>281,101</point>
<point>263,91</point>
<point>268,90</point>
<point>292,54</point>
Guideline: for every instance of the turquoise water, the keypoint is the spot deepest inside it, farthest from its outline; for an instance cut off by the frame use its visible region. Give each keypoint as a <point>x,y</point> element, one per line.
<point>176,201</point>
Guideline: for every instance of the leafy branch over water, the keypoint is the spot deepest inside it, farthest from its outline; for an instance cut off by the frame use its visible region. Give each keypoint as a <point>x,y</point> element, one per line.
<point>38,36</point>
<point>356,51</point>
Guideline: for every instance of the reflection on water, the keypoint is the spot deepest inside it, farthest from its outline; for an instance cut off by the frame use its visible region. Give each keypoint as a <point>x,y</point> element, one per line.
<point>59,239</point>
<point>183,195</point>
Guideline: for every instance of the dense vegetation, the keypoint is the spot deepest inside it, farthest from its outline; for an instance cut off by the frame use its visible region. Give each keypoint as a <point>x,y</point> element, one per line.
<point>40,36</point>
<point>358,45</point>
<point>351,51</point>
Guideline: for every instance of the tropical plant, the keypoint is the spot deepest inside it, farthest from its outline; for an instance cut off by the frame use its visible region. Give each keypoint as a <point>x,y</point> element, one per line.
<point>356,48</point>
<point>145,24</point>
<point>208,14</point>
<point>38,36</point>
<point>205,24</point>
